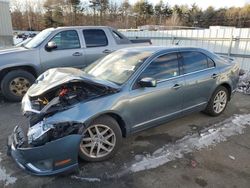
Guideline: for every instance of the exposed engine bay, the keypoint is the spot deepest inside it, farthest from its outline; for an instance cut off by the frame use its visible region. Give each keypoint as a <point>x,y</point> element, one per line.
<point>65,95</point>
<point>57,99</point>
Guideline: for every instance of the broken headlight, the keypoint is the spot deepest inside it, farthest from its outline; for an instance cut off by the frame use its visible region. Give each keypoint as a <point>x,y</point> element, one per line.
<point>38,134</point>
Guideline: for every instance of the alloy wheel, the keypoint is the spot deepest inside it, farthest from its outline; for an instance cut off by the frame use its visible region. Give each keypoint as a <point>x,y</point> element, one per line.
<point>19,86</point>
<point>98,141</point>
<point>220,101</point>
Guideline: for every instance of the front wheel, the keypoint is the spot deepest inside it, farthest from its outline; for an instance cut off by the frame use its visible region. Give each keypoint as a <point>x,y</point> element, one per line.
<point>218,101</point>
<point>15,84</point>
<point>100,140</point>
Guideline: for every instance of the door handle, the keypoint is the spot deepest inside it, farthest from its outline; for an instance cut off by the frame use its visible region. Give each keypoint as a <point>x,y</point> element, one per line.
<point>177,86</point>
<point>214,76</point>
<point>106,51</point>
<point>77,54</point>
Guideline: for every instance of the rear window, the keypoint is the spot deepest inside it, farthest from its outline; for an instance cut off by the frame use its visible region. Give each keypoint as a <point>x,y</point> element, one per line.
<point>210,62</point>
<point>95,38</point>
<point>195,61</point>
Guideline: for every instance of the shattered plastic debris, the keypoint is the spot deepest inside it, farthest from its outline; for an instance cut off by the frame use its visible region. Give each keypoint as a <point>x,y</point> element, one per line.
<point>244,83</point>
<point>231,157</point>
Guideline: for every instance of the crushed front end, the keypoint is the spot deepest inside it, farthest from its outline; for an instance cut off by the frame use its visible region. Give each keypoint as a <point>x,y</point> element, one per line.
<point>56,156</point>
<point>43,147</point>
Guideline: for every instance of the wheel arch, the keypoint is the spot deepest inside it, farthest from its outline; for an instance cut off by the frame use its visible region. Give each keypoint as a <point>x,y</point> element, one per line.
<point>229,89</point>
<point>115,116</point>
<point>27,68</point>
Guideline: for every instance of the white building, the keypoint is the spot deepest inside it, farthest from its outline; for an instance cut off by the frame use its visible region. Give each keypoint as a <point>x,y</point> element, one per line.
<point>6,38</point>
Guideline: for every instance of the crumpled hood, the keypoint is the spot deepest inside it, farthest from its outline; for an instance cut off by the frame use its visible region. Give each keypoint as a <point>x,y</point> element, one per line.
<point>58,76</point>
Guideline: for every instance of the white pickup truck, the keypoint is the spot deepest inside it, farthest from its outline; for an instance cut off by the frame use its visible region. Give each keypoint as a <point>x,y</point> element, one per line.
<point>57,47</point>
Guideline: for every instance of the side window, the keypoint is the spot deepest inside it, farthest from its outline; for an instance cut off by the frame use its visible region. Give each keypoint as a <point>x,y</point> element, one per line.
<point>163,67</point>
<point>95,38</point>
<point>210,62</point>
<point>66,40</point>
<point>193,61</point>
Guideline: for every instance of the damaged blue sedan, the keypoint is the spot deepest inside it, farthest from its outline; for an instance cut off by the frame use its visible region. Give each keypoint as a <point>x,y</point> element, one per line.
<point>73,113</point>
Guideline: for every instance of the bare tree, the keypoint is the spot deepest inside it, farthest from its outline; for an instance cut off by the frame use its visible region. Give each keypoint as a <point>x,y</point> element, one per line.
<point>40,14</point>
<point>174,20</point>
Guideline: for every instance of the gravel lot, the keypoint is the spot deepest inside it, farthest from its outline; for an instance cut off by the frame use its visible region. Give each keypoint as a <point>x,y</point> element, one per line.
<point>164,156</point>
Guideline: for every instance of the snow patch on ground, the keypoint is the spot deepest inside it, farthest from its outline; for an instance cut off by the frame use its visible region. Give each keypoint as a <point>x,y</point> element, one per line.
<point>86,179</point>
<point>244,83</point>
<point>5,177</point>
<point>208,137</point>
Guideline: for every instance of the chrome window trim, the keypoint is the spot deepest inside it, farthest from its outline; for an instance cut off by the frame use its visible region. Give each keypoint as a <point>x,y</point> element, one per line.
<point>180,65</point>
<point>182,75</point>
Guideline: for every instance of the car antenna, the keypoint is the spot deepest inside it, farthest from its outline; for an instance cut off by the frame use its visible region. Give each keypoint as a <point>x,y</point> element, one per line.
<point>177,43</point>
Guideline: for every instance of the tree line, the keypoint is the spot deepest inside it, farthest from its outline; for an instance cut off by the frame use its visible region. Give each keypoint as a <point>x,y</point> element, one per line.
<point>37,15</point>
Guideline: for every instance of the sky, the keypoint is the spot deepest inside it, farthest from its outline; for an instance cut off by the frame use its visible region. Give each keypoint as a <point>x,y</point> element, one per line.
<point>202,3</point>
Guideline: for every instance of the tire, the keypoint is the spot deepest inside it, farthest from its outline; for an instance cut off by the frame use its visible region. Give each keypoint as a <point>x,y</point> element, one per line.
<point>15,84</point>
<point>211,107</point>
<point>103,124</point>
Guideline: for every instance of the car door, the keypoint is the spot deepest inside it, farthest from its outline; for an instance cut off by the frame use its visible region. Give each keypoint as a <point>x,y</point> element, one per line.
<point>96,44</point>
<point>151,105</point>
<point>67,54</point>
<point>200,77</point>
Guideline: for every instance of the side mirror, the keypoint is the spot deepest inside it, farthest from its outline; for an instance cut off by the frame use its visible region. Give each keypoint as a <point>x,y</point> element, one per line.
<point>51,46</point>
<point>148,82</point>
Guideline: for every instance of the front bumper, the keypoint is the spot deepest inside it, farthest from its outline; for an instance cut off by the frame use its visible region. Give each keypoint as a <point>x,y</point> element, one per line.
<point>54,157</point>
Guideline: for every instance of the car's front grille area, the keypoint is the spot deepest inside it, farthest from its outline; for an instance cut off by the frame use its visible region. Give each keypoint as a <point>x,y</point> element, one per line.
<point>20,135</point>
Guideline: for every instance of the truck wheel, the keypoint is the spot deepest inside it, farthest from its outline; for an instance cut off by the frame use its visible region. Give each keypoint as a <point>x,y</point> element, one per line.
<point>100,140</point>
<point>218,102</point>
<point>15,84</point>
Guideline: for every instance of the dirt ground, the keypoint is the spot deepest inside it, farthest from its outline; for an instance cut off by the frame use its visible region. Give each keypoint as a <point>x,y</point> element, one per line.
<point>223,164</point>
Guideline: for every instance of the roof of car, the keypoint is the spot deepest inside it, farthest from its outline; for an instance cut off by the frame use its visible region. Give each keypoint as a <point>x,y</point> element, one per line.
<point>154,49</point>
<point>82,27</point>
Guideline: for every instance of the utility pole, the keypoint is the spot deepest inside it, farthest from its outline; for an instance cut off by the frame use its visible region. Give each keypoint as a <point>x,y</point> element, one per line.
<point>28,12</point>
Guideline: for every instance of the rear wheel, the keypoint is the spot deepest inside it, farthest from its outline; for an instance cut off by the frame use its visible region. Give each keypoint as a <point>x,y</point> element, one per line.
<point>218,101</point>
<point>100,140</point>
<point>15,84</point>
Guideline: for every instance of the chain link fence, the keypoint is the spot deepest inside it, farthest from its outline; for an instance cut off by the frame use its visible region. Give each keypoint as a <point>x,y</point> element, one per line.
<point>234,42</point>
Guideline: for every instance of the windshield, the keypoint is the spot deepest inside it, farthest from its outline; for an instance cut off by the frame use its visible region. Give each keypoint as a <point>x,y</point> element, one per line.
<point>118,66</point>
<point>39,38</point>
